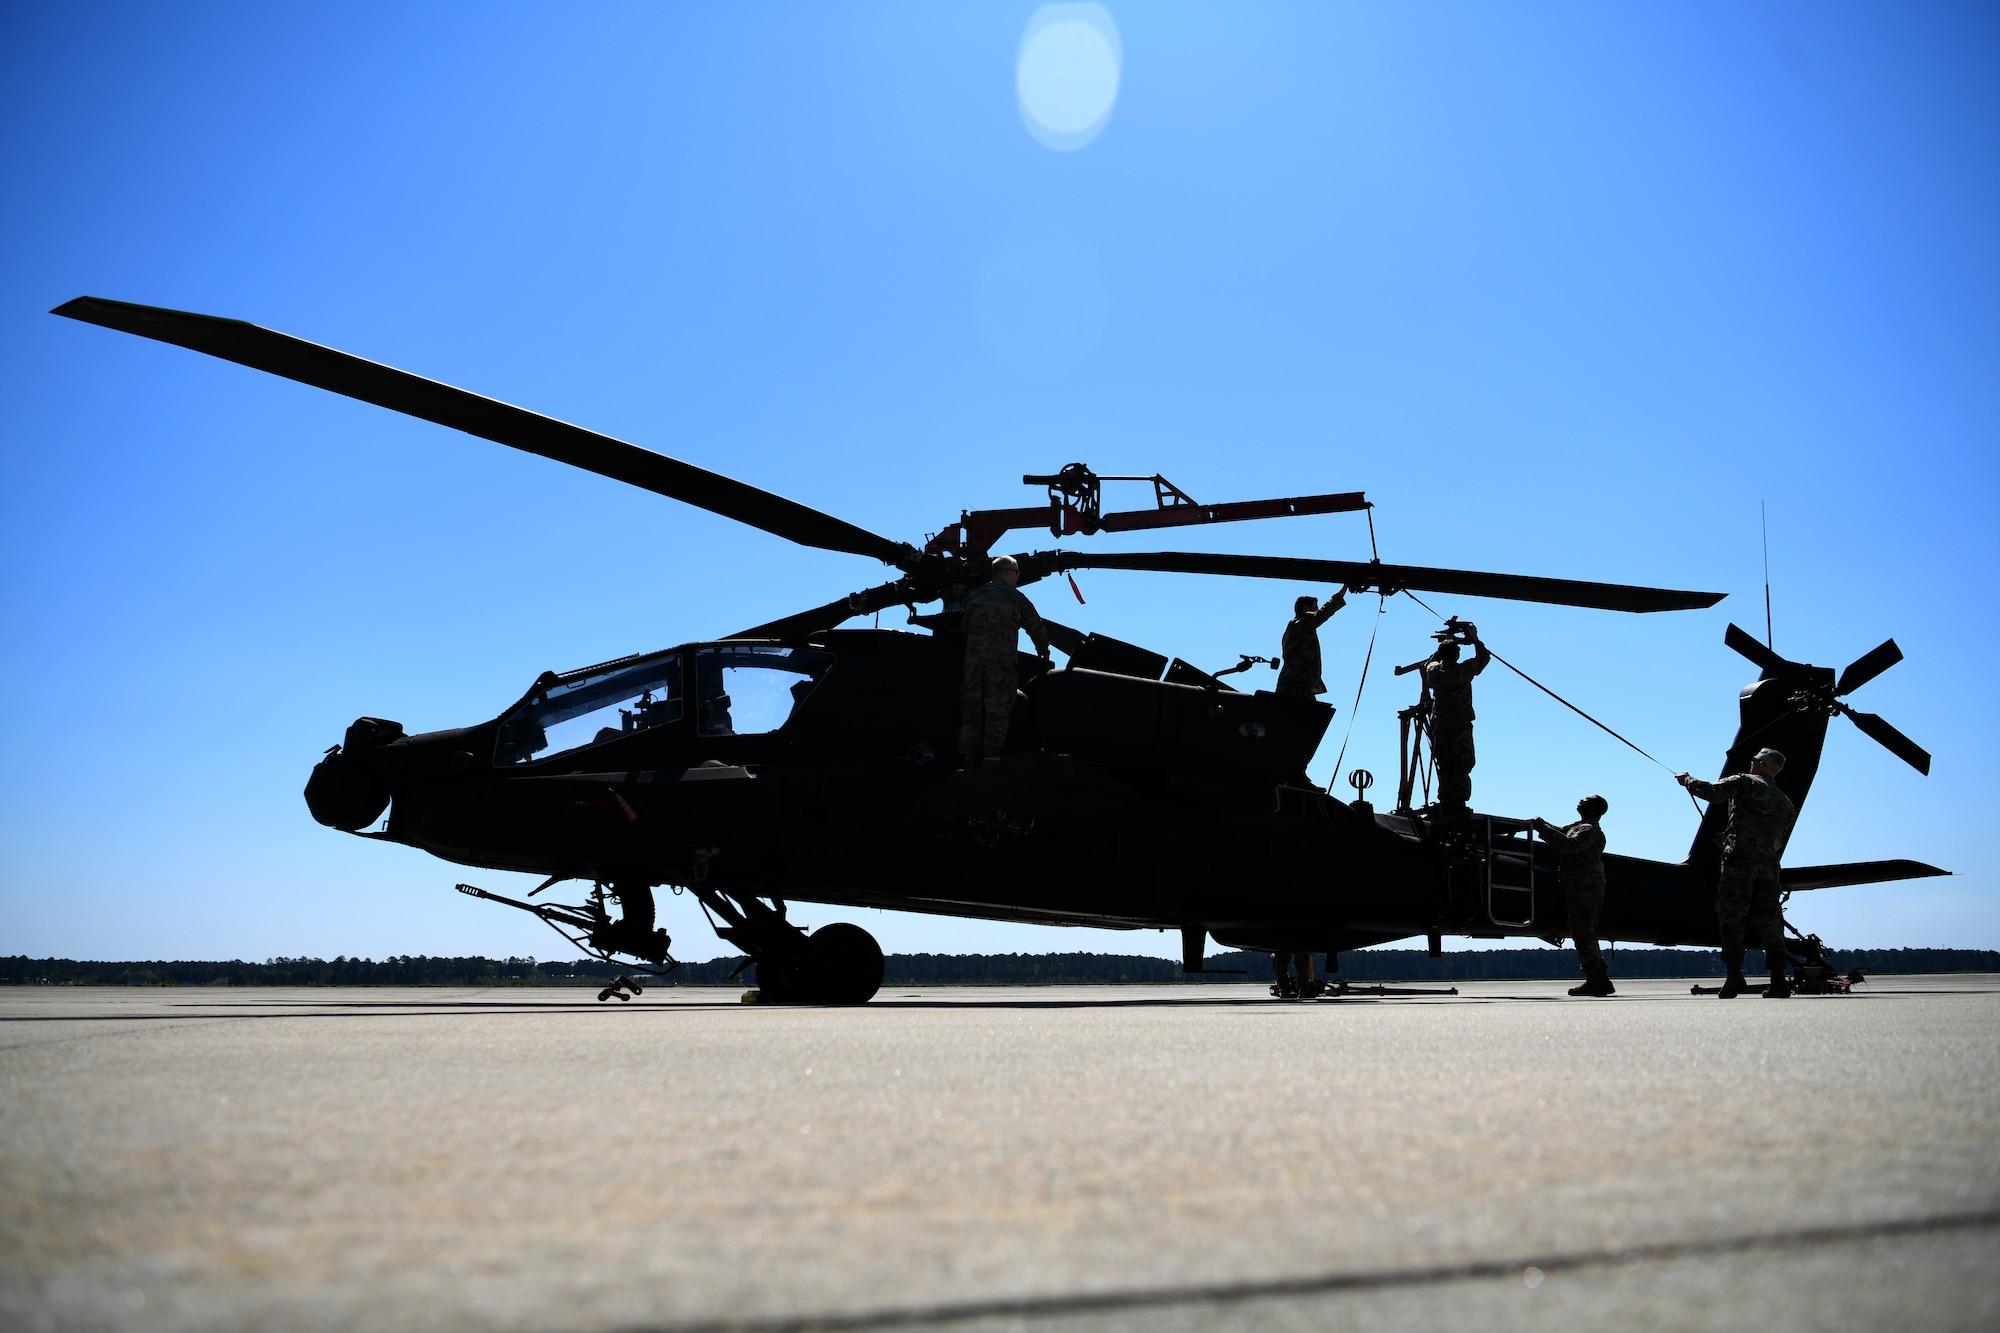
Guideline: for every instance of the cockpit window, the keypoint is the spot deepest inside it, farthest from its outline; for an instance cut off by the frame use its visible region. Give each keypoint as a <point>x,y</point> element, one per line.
<point>741,691</point>
<point>601,706</point>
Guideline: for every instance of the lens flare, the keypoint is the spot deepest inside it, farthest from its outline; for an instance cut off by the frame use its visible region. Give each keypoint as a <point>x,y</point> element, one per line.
<point>1066,75</point>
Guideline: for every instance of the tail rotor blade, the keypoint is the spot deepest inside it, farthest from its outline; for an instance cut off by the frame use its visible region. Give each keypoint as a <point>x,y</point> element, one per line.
<point>1892,740</point>
<point>1868,666</point>
<point>1750,648</point>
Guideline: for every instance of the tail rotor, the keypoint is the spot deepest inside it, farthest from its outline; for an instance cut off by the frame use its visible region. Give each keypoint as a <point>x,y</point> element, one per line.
<point>1814,696</point>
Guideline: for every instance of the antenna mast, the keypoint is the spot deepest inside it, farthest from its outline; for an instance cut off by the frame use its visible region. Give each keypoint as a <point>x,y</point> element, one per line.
<point>1764,527</point>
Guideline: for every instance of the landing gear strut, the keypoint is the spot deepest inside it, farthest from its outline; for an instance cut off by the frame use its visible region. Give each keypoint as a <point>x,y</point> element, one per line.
<point>633,932</point>
<point>836,964</point>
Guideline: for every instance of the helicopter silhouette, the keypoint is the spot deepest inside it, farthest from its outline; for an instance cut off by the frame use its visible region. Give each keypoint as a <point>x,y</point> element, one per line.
<point>800,761</point>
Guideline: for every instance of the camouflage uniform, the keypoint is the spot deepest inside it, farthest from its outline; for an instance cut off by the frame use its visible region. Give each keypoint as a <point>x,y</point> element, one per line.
<point>1298,677</point>
<point>1450,687</point>
<point>1760,823</point>
<point>995,614</point>
<point>1580,864</point>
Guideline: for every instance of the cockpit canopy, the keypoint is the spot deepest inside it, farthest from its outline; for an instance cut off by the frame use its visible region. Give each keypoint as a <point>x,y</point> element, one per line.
<point>739,690</point>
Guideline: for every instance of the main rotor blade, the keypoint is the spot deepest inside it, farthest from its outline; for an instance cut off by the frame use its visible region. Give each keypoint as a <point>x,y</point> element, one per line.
<point>399,391</point>
<point>1365,574</point>
<point>1868,666</point>
<point>807,623</point>
<point>1750,648</point>
<point>1892,740</point>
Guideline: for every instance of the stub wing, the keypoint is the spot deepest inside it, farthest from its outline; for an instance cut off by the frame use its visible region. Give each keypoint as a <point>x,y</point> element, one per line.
<point>1854,872</point>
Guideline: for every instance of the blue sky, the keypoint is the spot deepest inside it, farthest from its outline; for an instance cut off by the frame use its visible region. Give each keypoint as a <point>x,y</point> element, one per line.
<point>1567,289</point>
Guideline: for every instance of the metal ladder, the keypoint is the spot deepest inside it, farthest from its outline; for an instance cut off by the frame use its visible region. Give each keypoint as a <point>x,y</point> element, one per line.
<point>1510,874</point>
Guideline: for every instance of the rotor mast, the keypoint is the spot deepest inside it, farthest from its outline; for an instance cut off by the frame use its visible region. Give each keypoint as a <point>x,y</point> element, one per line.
<point>1075,506</point>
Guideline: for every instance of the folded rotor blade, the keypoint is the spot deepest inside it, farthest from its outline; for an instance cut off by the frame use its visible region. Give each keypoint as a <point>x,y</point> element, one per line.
<point>1868,666</point>
<point>1364,574</point>
<point>1752,649</point>
<point>399,391</point>
<point>806,623</point>
<point>1892,740</point>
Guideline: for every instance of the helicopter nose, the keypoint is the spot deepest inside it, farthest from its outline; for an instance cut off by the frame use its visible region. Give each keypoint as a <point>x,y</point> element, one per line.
<point>347,789</point>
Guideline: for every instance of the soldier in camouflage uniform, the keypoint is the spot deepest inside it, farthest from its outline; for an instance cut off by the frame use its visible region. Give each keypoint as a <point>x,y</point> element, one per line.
<point>1298,676</point>
<point>995,614</point>
<point>1760,823</point>
<point>1580,865</point>
<point>1449,684</point>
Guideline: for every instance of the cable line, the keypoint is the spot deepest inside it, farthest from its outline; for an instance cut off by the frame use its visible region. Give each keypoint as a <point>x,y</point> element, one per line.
<point>1381,609</point>
<point>1564,702</point>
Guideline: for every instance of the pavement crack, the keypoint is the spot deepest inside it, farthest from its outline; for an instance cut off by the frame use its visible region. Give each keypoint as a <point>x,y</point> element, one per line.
<point>1229,1293</point>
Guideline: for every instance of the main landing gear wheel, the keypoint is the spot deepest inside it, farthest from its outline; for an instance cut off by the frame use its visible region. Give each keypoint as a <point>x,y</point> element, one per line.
<point>843,965</point>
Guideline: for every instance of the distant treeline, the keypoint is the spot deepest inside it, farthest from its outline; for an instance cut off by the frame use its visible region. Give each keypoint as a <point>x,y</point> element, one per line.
<point>927,969</point>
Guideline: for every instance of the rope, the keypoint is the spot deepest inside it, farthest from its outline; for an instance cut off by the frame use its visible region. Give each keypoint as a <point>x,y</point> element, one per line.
<point>1565,703</point>
<point>1381,609</point>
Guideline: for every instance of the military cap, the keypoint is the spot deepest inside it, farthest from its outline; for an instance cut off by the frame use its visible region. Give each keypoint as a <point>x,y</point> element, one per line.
<point>1771,759</point>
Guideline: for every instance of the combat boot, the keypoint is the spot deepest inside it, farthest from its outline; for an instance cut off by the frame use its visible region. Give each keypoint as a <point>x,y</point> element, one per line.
<point>1733,985</point>
<point>1596,983</point>
<point>1779,989</point>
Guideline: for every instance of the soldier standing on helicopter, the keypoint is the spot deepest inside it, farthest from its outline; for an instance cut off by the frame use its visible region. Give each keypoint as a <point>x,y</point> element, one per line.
<point>1580,865</point>
<point>1449,684</point>
<point>1298,676</point>
<point>995,614</point>
<point>1760,823</point>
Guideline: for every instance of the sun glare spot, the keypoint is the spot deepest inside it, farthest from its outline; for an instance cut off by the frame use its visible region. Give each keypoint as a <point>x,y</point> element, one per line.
<point>1067,74</point>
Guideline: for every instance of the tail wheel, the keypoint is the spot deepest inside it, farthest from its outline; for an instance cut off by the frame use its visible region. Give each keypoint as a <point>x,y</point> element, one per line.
<point>843,965</point>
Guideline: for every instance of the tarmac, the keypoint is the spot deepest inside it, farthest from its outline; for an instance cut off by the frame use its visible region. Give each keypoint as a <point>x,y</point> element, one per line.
<point>983,1159</point>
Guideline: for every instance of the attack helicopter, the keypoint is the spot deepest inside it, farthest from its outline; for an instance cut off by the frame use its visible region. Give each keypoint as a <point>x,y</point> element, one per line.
<point>799,761</point>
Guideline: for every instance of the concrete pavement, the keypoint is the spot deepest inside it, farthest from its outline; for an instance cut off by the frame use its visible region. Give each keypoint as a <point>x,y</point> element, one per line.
<point>1047,1158</point>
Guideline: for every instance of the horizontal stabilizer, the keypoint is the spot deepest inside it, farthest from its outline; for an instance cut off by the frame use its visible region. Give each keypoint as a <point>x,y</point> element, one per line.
<point>1794,878</point>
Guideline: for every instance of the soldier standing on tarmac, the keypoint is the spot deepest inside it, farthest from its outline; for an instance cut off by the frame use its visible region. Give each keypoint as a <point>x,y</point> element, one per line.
<point>1298,676</point>
<point>995,614</point>
<point>1580,862</point>
<point>1449,683</point>
<point>1288,986</point>
<point>1760,823</point>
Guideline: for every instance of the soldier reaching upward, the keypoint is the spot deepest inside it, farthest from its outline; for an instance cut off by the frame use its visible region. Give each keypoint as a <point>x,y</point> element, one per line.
<point>1760,823</point>
<point>1580,864</point>
<point>1298,677</point>
<point>995,614</point>
<point>1449,683</point>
